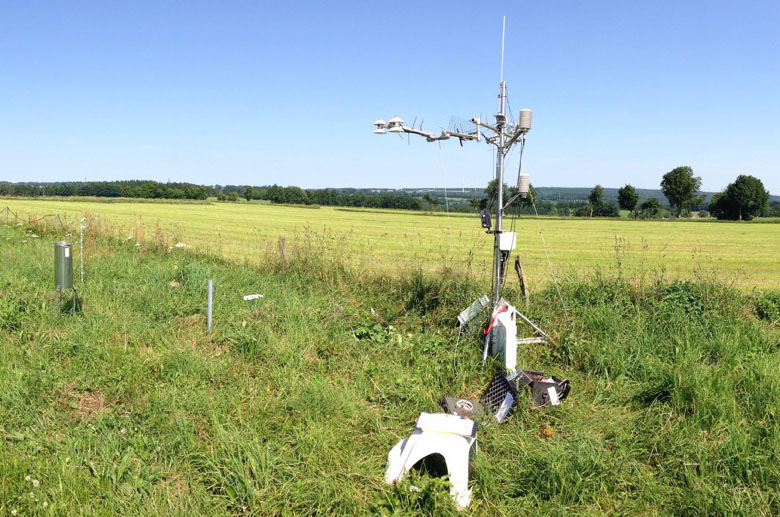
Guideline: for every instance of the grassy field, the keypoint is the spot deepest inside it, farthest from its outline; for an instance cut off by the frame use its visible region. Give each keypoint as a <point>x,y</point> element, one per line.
<point>740,253</point>
<point>292,403</point>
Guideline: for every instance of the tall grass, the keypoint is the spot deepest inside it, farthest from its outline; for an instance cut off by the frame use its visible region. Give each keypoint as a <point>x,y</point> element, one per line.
<point>294,400</point>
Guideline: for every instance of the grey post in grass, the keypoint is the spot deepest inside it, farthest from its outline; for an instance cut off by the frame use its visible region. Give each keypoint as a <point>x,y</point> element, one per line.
<point>63,269</point>
<point>211,300</point>
<point>63,265</point>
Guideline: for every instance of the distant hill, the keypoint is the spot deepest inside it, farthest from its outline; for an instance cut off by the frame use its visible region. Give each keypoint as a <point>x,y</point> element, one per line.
<point>547,193</point>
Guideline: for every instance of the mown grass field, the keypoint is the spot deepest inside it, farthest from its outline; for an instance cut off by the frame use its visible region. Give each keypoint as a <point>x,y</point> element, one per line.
<point>292,403</point>
<point>745,254</point>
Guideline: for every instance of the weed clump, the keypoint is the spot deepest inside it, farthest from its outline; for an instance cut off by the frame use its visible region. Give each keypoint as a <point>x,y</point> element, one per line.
<point>767,306</point>
<point>12,310</point>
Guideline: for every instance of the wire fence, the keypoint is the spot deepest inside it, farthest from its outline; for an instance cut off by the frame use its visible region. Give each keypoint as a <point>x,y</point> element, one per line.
<point>31,219</point>
<point>387,242</point>
<point>416,250</point>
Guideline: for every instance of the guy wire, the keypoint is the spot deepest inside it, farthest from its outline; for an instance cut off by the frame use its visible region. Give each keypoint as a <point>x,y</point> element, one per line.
<point>549,263</point>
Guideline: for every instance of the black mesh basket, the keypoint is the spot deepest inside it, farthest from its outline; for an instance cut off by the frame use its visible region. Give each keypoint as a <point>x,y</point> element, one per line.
<point>499,397</point>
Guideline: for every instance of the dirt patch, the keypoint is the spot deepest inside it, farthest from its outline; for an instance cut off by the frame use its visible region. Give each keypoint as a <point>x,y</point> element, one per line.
<point>91,404</point>
<point>86,405</point>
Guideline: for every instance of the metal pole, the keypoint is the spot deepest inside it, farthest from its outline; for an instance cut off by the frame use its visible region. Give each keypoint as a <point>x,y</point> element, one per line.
<point>500,126</point>
<point>81,250</point>
<point>211,300</point>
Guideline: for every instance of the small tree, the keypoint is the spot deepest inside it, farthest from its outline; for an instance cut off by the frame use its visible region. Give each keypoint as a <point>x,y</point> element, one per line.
<point>233,196</point>
<point>650,207</point>
<point>221,196</point>
<point>432,201</point>
<point>248,193</point>
<point>628,198</point>
<point>596,196</point>
<point>524,202</point>
<point>679,185</point>
<point>490,191</point>
<point>745,199</point>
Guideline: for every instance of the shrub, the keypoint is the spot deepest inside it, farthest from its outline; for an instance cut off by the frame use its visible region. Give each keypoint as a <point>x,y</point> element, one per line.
<point>768,306</point>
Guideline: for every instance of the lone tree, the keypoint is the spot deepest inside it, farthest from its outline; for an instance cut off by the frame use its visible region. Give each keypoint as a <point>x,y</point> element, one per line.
<point>248,193</point>
<point>744,199</point>
<point>490,190</point>
<point>679,185</point>
<point>628,198</point>
<point>595,199</point>
<point>596,196</point>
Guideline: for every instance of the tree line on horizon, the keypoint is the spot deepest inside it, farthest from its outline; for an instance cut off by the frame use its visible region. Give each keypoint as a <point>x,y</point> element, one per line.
<point>141,189</point>
<point>743,199</point>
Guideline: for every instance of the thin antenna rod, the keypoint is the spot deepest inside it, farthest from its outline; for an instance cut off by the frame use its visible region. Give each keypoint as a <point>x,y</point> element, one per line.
<point>503,35</point>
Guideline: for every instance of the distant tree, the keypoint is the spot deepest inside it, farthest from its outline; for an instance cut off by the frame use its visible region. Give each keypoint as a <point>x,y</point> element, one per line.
<point>275,194</point>
<point>432,201</point>
<point>491,191</point>
<point>607,210</point>
<point>221,196</point>
<point>296,196</point>
<point>679,186</point>
<point>474,203</point>
<point>596,196</point>
<point>524,202</point>
<point>650,207</point>
<point>585,210</point>
<point>602,210</point>
<point>628,198</point>
<point>744,199</point>
<point>233,196</point>
<point>261,193</point>
<point>248,193</point>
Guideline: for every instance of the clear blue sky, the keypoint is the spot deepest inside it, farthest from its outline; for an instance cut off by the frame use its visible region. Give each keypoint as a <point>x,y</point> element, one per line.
<point>283,92</point>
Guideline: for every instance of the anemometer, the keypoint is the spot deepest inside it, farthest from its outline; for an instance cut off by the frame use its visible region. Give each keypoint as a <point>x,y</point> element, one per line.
<point>503,136</point>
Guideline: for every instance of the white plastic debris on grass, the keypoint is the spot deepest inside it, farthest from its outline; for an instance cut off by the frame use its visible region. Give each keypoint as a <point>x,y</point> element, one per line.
<point>450,436</point>
<point>252,297</point>
<point>180,245</point>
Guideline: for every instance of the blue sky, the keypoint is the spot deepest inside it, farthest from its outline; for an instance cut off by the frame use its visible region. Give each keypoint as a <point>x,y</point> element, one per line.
<point>284,92</point>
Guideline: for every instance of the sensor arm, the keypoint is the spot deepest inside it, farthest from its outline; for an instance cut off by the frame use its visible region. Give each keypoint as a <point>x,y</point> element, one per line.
<point>517,135</point>
<point>420,132</point>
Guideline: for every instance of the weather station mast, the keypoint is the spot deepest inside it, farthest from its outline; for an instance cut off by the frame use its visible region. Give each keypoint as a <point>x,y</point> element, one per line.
<point>503,135</point>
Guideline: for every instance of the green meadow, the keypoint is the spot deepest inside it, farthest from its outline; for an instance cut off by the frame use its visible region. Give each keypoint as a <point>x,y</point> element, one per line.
<point>290,406</point>
<point>744,254</point>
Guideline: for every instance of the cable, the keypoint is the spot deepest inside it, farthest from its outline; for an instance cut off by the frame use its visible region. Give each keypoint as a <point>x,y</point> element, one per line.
<point>549,263</point>
<point>455,355</point>
<point>513,217</point>
<point>444,179</point>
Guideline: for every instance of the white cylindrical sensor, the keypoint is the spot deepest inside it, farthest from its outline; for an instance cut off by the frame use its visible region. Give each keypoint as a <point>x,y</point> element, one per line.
<point>525,120</point>
<point>523,185</point>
